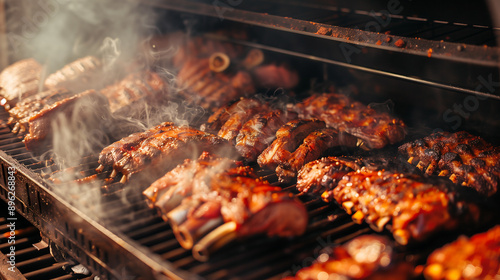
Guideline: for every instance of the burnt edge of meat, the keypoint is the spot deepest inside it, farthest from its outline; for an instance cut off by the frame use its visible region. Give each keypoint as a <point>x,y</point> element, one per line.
<point>464,158</point>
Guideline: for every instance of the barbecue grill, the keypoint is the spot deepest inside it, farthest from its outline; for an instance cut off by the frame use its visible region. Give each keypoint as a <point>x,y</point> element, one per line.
<point>440,71</point>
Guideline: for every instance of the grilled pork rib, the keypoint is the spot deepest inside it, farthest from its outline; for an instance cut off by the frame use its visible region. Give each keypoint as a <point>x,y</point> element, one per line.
<point>415,207</point>
<point>88,105</point>
<point>477,257</point>
<point>465,158</point>
<point>260,131</point>
<point>136,86</point>
<point>210,90</point>
<point>159,149</point>
<point>21,113</point>
<point>365,257</point>
<point>19,80</point>
<point>79,75</point>
<point>288,138</point>
<point>313,146</point>
<point>197,196</point>
<point>338,111</point>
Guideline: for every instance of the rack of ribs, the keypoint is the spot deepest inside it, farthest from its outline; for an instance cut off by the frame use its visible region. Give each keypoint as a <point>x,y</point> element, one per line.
<point>464,158</point>
<point>139,86</point>
<point>87,109</point>
<point>212,200</point>
<point>79,75</point>
<point>365,257</point>
<point>412,207</point>
<point>477,257</point>
<point>158,150</point>
<point>20,80</point>
<point>376,129</point>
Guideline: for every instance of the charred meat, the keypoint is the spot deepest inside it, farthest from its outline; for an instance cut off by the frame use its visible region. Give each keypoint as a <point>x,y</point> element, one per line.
<point>376,129</point>
<point>20,80</point>
<point>146,85</point>
<point>288,138</point>
<point>87,109</point>
<point>415,207</point>
<point>79,75</point>
<point>159,149</point>
<point>464,158</point>
<point>477,257</point>
<point>260,131</point>
<point>313,146</point>
<point>365,257</point>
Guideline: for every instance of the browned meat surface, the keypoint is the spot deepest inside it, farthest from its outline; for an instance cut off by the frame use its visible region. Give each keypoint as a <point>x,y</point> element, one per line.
<point>158,150</point>
<point>260,131</point>
<point>464,158</point>
<point>22,112</point>
<point>288,138</point>
<point>477,257</point>
<point>145,85</point>
<point>79,75</point>
<point>367,257</point>
<point>201,86</point>
<point>313,146</point>
<point>89,106</point>
<point>275,76</point>
<point>338,111</point>
<point>197,196</point>
<point>20,80</point>
<point>231,128</point>
<point>222,115</point>
<point>322,176</point>
<point>416,208</point>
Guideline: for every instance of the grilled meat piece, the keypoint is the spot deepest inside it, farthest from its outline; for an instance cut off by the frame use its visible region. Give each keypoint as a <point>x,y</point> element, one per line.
<point>19,80</point>
<point>222,115</point>
<point>22,112</point>
<point>79,75</point>
<point>158,150</point>
<point>89,106</point>
<point>275,76</point>
<point>465,158</point>
<point>322,175</point>
<point>416,207</point>
<point>231,128</point>
<point>260,131</point>
<point>313,146</point>
<point>477,257</point>
<point>338,111</point>
<point>288,138</point>
<point>365,257</point>
<point>146,85</point>
<point>201,86</point>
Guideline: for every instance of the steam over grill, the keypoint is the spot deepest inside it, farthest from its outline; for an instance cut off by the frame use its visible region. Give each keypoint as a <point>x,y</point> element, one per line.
<point>444,67</point>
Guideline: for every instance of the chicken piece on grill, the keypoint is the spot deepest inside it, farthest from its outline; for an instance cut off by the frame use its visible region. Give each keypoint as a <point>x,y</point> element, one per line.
<point>477,257</point>
<point>338,111</point>
<point>159,150</point>
<point>322,176</point>
<point>22,112</point>
<point>464,158</point>
<point>365,257</point>
<point>288,138</point>
<point>260,131</point>
<point>140,86</point>
<point>238,117</point>
<point>416,207</point>
<point>79,75</point>
<point>88,105</point>
<point>313,146</point>
<point>201,86</point>
<point>20,80</point>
